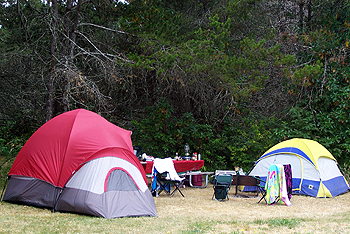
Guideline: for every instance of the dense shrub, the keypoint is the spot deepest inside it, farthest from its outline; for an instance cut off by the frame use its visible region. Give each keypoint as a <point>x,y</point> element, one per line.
<point>12,139</point>
<point>237,143</point>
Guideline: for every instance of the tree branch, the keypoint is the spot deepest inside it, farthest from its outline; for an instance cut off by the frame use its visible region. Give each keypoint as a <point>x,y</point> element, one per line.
<point>105,28</point>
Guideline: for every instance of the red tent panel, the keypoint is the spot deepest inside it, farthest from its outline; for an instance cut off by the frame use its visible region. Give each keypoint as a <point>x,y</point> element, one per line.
<point>67,142</point>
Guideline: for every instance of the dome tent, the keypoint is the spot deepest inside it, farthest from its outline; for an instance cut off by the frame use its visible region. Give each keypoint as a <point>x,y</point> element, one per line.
<point>79,162</point>
<point>315,171</point>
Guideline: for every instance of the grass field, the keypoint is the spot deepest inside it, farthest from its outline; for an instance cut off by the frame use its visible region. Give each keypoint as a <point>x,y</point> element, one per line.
<point>196,213</point>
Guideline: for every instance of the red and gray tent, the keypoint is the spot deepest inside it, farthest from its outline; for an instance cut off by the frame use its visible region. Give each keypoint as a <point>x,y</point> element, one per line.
<point>79,162</point>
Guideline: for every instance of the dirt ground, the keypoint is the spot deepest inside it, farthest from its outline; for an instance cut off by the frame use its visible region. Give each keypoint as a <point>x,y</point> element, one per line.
<point>197,212</point>
<point>313,215</point>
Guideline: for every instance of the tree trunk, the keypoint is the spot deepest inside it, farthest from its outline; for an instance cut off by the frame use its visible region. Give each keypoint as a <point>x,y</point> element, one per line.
<point>301,14</point>
<point>309,16</point>
<point>70,23</point>
<point>53,47</point>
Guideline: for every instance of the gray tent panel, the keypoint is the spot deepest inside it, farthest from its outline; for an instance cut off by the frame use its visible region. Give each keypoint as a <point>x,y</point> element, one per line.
<point>31,191</point>
<point>119,180</point>
<point>93,176</point>
<point>111,204</point>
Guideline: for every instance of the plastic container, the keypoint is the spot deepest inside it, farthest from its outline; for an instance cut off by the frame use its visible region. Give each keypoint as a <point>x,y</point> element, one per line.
<point>197,180</point>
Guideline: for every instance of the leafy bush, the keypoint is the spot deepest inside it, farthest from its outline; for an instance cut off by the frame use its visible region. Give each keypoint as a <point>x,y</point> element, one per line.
<point>238,143</point>
<point>162,134</point>
<point>10,145</point>
<point>249,139</point>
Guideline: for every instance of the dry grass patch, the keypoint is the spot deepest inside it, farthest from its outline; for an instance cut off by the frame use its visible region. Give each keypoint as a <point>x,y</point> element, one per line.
<point>196,213</point>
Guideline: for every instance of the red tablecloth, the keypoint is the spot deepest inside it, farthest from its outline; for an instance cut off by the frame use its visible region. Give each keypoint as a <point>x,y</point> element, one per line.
<point>180,166</point>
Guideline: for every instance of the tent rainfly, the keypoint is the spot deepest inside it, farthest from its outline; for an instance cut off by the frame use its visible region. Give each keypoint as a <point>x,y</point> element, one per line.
<point>315,171</point>
<point>79,162</point>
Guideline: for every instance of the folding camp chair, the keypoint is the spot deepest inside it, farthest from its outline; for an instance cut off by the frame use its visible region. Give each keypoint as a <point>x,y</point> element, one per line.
<point>261,188</point>
<point>221,186</point>
<point>164,176</point>
<point>165,184</point>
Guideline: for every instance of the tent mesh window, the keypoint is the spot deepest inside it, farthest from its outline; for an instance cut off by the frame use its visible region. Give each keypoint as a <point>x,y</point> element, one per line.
<point>119,180</point>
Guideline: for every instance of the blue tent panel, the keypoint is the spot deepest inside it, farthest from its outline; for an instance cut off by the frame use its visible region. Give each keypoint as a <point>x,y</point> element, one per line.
<point>292,150</point>
<point>336,185</point>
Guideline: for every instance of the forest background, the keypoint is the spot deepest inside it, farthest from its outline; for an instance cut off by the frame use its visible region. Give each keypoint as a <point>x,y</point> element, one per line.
<point>229,77</point>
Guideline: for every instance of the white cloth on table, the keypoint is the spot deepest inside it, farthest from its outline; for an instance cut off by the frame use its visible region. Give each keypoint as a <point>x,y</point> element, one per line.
<point>166,165</point>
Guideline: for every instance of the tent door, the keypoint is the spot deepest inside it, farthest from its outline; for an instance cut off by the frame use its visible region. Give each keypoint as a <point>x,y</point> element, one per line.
<point>119,180</point>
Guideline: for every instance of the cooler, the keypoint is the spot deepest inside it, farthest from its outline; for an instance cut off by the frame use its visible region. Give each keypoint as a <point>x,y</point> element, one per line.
<point>197,180</point>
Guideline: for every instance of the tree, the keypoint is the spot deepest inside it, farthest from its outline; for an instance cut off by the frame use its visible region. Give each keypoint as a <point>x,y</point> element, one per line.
<point>322,107</point>
<point>71,59</point>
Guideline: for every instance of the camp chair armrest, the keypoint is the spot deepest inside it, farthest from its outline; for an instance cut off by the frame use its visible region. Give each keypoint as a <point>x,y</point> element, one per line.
<point>258,178</point>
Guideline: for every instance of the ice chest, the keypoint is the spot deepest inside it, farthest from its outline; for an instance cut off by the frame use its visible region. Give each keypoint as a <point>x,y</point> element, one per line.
<point>197,180</point>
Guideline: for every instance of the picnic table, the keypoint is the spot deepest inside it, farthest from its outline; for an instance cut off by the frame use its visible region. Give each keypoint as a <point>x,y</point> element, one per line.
<point>180,166</point>
<point>185,168</point>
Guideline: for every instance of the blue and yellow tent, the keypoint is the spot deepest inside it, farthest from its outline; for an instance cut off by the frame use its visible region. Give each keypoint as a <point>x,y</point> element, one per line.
<point>315,171</point>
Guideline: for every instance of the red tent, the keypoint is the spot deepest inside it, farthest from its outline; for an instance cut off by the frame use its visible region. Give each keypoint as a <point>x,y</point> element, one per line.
<point>77,153</point>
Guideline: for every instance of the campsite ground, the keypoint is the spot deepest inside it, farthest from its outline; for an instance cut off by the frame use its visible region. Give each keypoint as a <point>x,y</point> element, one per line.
<point>196,213</point>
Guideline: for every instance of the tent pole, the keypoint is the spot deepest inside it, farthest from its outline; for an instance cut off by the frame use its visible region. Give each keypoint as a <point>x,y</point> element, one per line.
<point>58,197</point>
<point>251,168</point>
<point>2,193</point>
<point>342,171</point>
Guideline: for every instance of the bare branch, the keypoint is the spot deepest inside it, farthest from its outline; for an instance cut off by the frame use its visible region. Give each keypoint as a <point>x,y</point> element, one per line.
<point>105,28</point>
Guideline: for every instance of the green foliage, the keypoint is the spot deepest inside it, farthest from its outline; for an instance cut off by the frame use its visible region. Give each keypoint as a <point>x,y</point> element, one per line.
<point>159,19</point>
<point>322,85</point>
<point>212,61</point>
<point>249,138</point>
<point>305,75</point>
<point>12,139</point>
<point>162,134</point>
<point>301,125</point>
